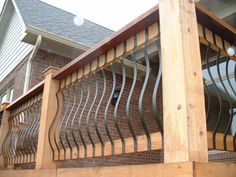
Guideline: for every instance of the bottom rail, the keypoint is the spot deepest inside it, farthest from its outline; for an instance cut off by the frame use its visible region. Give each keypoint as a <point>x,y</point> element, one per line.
<point>129,147</point>
<point>187,169</point>
<point>219,139</point>
<point>142,146</point>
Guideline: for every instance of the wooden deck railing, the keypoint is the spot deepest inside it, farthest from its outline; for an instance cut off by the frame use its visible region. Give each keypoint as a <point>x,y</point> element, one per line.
<point>220,95</point>
<point>20,143</point>
<point>112,104</point>
<point>113,99</point>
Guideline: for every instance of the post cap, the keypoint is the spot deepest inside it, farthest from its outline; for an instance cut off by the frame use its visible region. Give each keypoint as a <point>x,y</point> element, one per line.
<point>3,106</point>
<point>50,70</point>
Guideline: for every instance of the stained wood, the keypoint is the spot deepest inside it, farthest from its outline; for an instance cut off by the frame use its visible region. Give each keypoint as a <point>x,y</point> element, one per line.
<point>68,80</point>
<point>74,76</point>
<point>94,65</point>
<point>204,17</point>
<point>183,95</point>
<point>48,111</point>
<point>191,169</point>
<point>29,173</point>
<point>80,73</point>
<point>129,69</point>
<point>219,42</point>
<point>142,146</point>
<point>151,170</point>
<point>62,83</point>
<point>3,131</point>
<point>119,50</point>
<point>134,27</point>
<point>214,169</point>
<point>32,92</point>
<point>220,142</point>
<point>218,26</point>
<point>215,48</point>
<point>209,36</point>
<point>110,55</point>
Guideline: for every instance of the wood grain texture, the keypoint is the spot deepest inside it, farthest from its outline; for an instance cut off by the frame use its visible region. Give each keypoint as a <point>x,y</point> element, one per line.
<point>152,170</point>
<point>48,111</point>
<point>3,132</point>
<point>32,92</point>
<point>188,169</point>
<point>139,24</point>
<point>214,169</point>
<point>204,17</point>
<point>219,139</point>
<point>218,26</point>
<point>129,148</point>
<point>184,116</point>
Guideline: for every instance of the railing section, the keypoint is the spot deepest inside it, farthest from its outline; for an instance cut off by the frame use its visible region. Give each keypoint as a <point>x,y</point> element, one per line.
<point>112,105</point>
<point>219,72</point>
<point>20,144</point>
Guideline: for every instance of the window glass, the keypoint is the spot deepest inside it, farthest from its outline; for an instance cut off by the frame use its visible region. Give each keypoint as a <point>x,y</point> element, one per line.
<point>11,94</point>
<point>4,98</point>
<point>7,95</point>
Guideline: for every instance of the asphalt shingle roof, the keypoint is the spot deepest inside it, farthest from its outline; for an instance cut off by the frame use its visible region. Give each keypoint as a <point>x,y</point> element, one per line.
<point>38,14</point>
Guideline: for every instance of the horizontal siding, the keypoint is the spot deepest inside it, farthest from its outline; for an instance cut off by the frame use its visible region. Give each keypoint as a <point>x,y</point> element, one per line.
<point>12,50</point>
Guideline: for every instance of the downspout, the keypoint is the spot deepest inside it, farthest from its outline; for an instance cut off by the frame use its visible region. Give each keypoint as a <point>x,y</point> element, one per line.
<point>29,63</point>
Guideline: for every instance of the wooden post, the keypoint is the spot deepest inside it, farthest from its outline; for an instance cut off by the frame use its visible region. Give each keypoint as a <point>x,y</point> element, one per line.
<point>185,135</point>
<point>48,111</point>
<point>3,130</point>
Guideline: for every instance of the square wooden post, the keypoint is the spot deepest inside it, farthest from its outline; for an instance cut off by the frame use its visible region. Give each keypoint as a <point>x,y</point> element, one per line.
<point>4,128</point>
<point>185,134</point>
<point>48,111</point>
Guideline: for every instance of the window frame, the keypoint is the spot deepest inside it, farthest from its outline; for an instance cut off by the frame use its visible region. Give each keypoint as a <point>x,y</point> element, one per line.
<point>8,91</point>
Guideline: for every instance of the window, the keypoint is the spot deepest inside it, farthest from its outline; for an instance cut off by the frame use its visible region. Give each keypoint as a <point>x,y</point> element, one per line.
<point>7,95</point>
<point>11,94</point>
<point>4,97</point>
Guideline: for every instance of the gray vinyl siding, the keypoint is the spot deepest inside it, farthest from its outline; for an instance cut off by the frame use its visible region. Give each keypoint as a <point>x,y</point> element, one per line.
<point>12,50</point>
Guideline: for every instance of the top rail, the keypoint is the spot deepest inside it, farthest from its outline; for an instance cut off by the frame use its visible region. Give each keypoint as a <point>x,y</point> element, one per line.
<point>204,17</point>
<point>32,92</point>
<point>139,24</point>
<point>215,24</point>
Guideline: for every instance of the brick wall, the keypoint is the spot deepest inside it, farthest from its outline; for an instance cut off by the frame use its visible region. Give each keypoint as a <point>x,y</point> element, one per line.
<point>17,77</point>
<point>45,59</point>
<point>127,159</point>
<point>42,61</point>
<point>73,92</point>
<point>223,157</point>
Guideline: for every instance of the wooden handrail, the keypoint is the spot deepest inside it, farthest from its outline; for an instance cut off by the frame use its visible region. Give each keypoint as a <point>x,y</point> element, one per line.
<point>32,92</point>
<point>157,144</point>
<point>218,26</point>
<point>139,24</point>
<point>204,17</point>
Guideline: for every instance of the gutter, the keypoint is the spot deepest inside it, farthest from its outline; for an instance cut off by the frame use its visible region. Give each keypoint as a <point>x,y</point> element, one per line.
<point>51,36</point>
<point>29,63</point>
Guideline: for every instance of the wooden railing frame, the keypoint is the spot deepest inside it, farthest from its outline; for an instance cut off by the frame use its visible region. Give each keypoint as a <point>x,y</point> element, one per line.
<point>48,110</point>
<point>185,108</point>
<point>204,18</point>
<point>185,133</point>
<point>3,130</point>
<point>186,169</point>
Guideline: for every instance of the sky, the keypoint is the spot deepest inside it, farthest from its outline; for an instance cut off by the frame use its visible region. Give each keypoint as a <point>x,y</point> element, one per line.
<point>111,14</point>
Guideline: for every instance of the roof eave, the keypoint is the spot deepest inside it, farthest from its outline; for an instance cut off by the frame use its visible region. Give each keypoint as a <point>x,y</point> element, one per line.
<point>45,34</point>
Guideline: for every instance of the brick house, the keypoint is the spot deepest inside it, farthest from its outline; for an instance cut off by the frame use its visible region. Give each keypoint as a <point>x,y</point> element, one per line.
<point>35,35</point>
<point>54,53</point>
